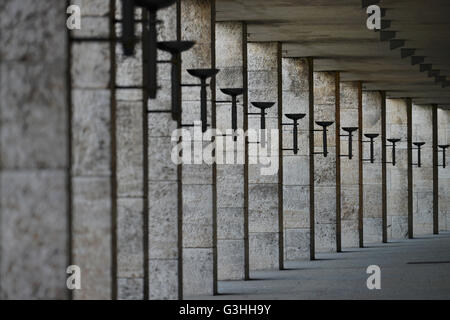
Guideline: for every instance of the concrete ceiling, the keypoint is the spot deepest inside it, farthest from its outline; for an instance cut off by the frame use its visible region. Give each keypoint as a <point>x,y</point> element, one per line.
<point>334,32</point>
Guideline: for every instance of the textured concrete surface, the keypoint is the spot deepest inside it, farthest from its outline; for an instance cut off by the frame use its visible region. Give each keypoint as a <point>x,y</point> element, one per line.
<point>129,173</point>
<point>33,150</point>
<point>444,173</point>
<point>264,227</point>
<point>372,189</point>
<point>397,177</point>
<point>198,207</point>
<point>325,167</point>
<point>422,131</point>
<point>91,163</point>
<point>296,166</point>
<point>231,236</point>
<point>164,210</point>
<point>349,167</point>
<point>410,269</point>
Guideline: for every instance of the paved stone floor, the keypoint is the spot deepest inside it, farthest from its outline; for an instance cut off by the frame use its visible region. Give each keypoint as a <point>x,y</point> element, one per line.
<point>410,269</point>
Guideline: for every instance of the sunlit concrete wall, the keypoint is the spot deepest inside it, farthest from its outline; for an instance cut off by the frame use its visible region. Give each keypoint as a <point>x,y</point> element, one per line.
<point>444,173</point>
<point>422,131</point>
<point>129,171</point>
<point>325,167</point>
<point>264,220</point>
<point>164,212</point>
<point>232,226</point>
<point>372,187</point>
<point>397,177</point>
<point>349,167</point>
<point>296,166</point>
<point>199,252</point>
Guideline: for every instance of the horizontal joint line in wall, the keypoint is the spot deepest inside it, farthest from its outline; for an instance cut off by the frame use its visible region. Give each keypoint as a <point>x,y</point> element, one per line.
<point>159,111</point>
<point>193,85</point>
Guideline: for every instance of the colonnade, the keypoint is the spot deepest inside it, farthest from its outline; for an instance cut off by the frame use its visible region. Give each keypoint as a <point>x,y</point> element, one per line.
<point>143,227</point>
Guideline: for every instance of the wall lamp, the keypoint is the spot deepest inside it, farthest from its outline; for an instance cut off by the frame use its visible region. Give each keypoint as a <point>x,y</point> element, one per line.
<point>444,149</point>
<point>324,125</point>
<point>233,93</point>
<point>349,134</point>
<point>262,106</point>
<point>203,75</point>
<point>175,48</point>
<point>393,145</point>
<point>418,148</point>
<point>295,117</point>
<point>371,137</point>
<point>149,42</point>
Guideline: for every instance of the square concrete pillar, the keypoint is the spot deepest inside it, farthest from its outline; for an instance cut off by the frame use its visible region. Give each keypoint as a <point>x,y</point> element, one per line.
<point>444,173</point>
<point>199,205</point>
<point>296,166</point>
<point>164,180</point>
<point>397,177</point>
<point>349,114</point>
<point>422,131</point>
<point>232,214</point>
<point>372,172</point>
<point>93,141</point>
<point>34,139</point>
<point>264,192</point>
<point>325,167</point>
<point>129,155</point>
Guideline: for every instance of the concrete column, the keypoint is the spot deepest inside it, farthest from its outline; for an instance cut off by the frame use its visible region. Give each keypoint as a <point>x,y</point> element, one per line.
<point>422,130</point>
<point>34,144</point>
<point>93,143</point>
<point>232,219</point>
<point>444,173</point>
<point>397,177</point>
<point>129,169</point>
<point>265,229</point>
<point>199,213</point>
<point>325,167</point>
<point>296,166</point>
<point>164,212</point>
<point>349,167</point>
<point>372,194</point>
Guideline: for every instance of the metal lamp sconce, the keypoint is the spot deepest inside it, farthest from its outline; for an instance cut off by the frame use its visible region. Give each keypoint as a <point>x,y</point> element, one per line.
<point>444,149</point>
<point>149,37</point>
<point>418,148</point>
<point>295,117</point>
<point>324,125</point>
<point>349,134</point>
<point>175,48</point>
<point>203,75</point>
<point>262,106</point>
<point>393,145</point>
<point>371,137</point>
<point>150,46</point>
<point>233,93</point>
